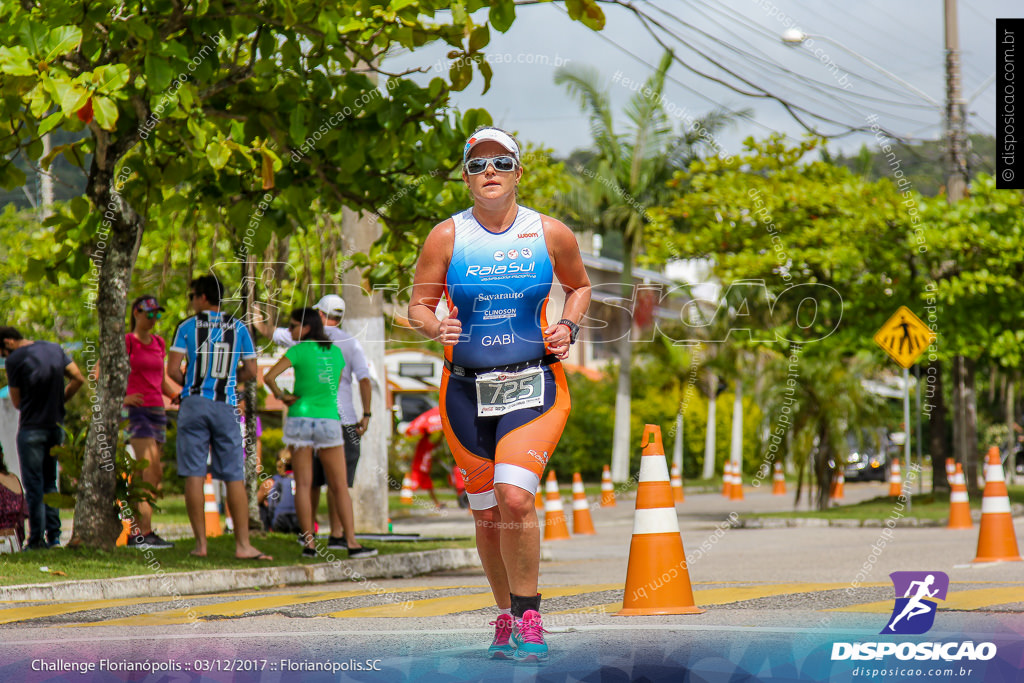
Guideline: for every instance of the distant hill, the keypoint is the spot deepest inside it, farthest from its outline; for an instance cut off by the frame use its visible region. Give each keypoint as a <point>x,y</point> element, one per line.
<point>923,163</point>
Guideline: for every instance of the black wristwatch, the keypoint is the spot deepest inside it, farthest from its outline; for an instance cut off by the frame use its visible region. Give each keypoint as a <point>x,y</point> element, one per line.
<point>574,329</point>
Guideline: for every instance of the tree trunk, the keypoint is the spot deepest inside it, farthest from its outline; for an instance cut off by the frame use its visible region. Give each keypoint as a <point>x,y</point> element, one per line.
<point>1011,434</point>
<point>822,471</point>
<point>623,399</point>
<point>938,442</point>
<point>364,319</point>
<point>970,427</point>
<point>252,463</point>
<point>96,523</point>
<point>736,448</point>
<point>709,436</point>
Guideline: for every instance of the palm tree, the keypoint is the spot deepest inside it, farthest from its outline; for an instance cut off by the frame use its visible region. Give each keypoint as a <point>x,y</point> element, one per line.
<point>629,174</point>
<point>830,400</point>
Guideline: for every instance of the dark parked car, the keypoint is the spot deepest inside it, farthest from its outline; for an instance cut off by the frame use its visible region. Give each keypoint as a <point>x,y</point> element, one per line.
<point>866,460</point>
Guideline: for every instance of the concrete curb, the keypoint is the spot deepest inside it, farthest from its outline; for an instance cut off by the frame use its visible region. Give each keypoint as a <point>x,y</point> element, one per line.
<point>783,522</point>
<point>218,580</point>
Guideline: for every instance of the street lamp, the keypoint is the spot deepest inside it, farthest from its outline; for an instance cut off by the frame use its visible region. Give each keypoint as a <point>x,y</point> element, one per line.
<point>794,37</point>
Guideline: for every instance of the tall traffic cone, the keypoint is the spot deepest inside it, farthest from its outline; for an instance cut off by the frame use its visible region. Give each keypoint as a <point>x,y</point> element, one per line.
<point>677,485</point>
<point>837,486</point>
<point>727,479</point>
<point>657,578</point>
<point>211,509</point>
<point>406,495</point>
<point>778,481</point>
<point>959,506</point>
<point>736,492</point>
<point>997,541</point>
<point>582,522</point>
<point>895,479</point>
<point>607,490</point>
<point>555,528</point>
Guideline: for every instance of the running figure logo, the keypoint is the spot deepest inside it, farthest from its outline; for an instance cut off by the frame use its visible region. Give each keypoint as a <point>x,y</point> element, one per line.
<point>914,613</point>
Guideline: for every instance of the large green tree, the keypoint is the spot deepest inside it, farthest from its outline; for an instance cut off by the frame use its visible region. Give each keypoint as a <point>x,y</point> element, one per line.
<point>252,115</point>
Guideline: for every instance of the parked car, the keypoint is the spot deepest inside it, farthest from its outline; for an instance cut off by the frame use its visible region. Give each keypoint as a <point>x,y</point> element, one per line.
<point>866,461</point>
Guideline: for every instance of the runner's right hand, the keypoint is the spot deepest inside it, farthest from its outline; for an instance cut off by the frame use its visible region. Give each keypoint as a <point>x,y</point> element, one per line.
<point>450,329</point>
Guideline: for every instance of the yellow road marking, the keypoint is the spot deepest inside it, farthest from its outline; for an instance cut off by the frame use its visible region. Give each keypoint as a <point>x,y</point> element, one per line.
<point>724,596</point>
<point>8,616</point>
<point>435,607</point>
<point>237,608</point>
<point>965,600</point>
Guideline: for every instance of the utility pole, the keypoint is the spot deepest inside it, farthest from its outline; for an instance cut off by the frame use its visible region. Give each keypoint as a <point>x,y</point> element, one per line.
<point>956,189</point>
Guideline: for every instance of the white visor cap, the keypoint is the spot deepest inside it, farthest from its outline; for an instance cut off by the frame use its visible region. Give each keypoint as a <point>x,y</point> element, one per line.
<point>499,136</point>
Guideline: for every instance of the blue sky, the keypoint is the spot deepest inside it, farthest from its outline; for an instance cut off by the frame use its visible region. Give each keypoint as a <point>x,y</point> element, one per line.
<point>903,37</point>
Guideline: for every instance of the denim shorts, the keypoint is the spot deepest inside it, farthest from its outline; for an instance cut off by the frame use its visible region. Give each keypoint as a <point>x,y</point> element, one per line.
<point>302,432</point>
<point>209,429</point>
<point>147,423</point>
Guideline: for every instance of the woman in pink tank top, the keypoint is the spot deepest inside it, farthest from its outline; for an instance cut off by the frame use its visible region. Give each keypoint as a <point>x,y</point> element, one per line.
<point>144,400</point>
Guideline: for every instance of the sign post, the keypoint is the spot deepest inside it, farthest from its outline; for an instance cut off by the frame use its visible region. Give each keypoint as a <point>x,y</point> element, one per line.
<point>904,337</point>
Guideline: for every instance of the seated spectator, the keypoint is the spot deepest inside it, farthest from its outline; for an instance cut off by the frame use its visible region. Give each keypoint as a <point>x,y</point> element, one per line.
<point>282,495</point>
<point>13,507</point>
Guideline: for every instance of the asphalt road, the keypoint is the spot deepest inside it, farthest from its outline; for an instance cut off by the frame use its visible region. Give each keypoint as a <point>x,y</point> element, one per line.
<point>776,601</point>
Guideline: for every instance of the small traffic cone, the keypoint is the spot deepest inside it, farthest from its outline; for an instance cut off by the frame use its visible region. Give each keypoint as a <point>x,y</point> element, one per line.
<point>607,490</point>
<point>555,527</point>
<point>126,529</point>
<point>778,481</point>
<point>211,510</point>
<point>406,494</point>
<point>895,479</point>
<point>959,506</point>
<point>538,500</point>
<point>727,479</point>
<point>582,522</point>
<point>677,485</point>
<point>837,493</point>
<point>657,578</point>
<point>736,492</point>
<point>997,541</point>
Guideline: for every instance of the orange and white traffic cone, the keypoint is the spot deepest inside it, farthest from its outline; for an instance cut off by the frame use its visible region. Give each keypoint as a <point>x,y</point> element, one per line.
<point>736,492</point>
<point>657,578</point>
<point>997,541</point>
<point>406,495</point>
<point>778,481</point>
<point>555,527</point>
<point>607,489</point>
<point>582,522</point>
<point>211,509</point>
<point>959,506</point>
<point>538,500</point>
<point>126,528</point>
<point>837,486</point>
<point>895,479</point>
<point>950,471</point>
<point>677,485</point>
<point>727,479</point>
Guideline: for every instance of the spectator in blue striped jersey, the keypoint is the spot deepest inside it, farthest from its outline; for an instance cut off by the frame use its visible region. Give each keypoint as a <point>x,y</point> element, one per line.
<point>212,343</point>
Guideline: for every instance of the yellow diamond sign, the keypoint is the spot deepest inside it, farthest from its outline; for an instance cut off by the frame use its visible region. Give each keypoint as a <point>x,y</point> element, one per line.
<point>904,337</point>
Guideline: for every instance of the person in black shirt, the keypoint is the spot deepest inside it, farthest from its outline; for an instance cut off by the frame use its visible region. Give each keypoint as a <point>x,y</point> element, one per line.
<point>35,372</point>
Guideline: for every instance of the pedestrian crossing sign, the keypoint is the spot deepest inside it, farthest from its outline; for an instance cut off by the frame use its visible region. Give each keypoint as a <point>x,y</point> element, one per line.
<point>904,337</point>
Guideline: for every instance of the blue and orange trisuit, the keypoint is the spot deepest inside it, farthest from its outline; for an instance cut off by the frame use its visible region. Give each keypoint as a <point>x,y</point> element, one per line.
<point>500,283</point>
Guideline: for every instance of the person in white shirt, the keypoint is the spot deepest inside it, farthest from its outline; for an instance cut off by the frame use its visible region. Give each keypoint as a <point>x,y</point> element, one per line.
<point>332,310</point>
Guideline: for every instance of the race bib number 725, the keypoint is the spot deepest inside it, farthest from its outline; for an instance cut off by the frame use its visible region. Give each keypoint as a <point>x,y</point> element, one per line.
<point>498,393</point>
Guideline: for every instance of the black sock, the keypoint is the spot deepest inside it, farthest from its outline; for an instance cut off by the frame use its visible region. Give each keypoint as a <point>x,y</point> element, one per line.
<point>521,603</point>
